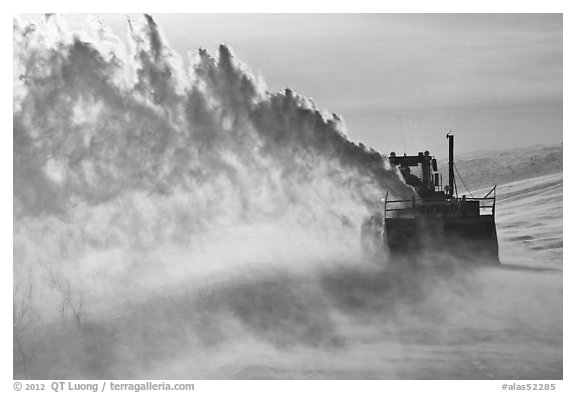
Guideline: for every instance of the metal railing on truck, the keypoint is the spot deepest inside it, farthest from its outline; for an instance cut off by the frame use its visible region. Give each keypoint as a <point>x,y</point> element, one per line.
<point>462,200</point>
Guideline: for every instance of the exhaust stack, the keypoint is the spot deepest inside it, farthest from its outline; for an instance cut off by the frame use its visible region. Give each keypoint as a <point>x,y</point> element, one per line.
<point>450,164</point>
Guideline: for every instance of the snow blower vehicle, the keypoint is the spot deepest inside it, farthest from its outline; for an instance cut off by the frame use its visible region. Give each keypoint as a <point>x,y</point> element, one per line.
<point>437,225</point>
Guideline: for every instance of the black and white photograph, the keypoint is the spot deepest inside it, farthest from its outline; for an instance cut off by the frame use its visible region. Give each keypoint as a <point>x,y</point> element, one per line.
<point>287,196</point>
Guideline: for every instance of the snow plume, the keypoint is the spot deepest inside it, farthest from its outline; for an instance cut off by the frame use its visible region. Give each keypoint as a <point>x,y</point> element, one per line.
<point>94,123</point>
<point>138,173</point>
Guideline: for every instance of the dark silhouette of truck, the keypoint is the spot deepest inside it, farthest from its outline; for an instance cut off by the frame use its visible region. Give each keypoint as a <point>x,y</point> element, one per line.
<point>435,227</point>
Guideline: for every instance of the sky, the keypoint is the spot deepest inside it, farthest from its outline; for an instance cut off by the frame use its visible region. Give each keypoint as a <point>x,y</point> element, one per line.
<point>401,81</point>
